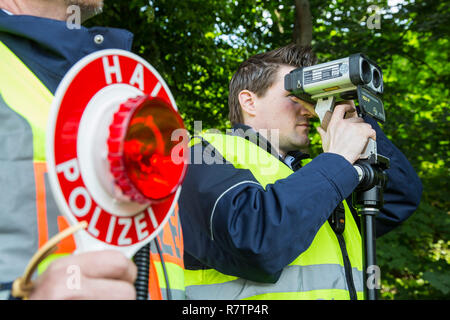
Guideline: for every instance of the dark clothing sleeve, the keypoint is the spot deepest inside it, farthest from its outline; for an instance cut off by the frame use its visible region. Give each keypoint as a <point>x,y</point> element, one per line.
<point>403,190</point>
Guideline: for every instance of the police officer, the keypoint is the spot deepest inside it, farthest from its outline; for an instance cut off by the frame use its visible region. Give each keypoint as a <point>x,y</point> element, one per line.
<point>255,220</point>
<point>36,50</point>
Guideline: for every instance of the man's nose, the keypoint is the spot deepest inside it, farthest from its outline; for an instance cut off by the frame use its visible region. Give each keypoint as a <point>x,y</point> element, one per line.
<point>307,110</point>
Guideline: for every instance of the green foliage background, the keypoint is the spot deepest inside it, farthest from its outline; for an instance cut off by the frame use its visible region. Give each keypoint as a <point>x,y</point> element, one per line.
<point>196,45</point>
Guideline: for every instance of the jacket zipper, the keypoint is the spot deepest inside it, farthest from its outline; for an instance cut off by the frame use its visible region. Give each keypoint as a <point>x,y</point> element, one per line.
<point>347,267</point>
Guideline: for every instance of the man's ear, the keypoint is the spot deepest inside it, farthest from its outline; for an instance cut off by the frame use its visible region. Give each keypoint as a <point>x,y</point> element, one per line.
<point>247,101</point>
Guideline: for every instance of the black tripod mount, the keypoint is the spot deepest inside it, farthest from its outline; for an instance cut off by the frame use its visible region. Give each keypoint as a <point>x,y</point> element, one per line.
<point>368,199</point>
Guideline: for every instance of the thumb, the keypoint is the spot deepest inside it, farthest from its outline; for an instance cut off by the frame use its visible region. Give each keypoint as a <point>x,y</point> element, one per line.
<point>323,137</point>
<point>321,132</point>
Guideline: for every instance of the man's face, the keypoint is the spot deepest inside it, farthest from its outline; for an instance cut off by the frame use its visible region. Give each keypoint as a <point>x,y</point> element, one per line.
<point>277,109</point>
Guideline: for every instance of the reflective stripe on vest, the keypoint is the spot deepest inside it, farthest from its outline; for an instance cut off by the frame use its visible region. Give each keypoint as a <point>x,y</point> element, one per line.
<point>24,97</point>
<point>317,273</point>
<point>19,88</point>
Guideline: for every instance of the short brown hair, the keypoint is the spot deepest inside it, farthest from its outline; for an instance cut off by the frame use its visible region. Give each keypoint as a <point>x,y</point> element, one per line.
<point>257,74</point>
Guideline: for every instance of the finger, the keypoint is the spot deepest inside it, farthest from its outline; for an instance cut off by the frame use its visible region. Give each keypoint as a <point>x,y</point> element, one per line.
<point>339,112</point>
<point>368,131</point>
<point>355,120</point>
<point>350,102</point>
<point>351,114</point>
<point>107,264</point>
<point>351,109</point>
<point>96,289</point>
<point>373,135</point>
<point>321,132</point>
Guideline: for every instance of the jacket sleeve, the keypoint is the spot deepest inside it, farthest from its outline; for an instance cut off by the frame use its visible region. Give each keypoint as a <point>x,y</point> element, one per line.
<point>5,291</point>
<point>234,225</point>
<point>403,190</point>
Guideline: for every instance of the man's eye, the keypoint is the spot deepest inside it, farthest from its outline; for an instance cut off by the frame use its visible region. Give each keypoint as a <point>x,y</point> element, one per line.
<point>294,99</point>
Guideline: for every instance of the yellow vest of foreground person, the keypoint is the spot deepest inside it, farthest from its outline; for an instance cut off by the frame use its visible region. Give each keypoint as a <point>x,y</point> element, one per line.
<point>317,273</point>
<point>25,104</point>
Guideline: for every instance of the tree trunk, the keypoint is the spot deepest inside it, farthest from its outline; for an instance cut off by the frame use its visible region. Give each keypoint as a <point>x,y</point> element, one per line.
<point>302,34</point>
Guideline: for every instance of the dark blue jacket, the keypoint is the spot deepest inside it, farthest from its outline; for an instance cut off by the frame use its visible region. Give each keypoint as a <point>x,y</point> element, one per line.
<point>255,233</point>
<point>50,49</point>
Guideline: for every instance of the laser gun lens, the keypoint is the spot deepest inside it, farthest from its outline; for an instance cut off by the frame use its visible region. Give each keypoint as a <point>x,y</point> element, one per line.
<point>376,78</point>
<point>153,163</point>
<point>366,73</point>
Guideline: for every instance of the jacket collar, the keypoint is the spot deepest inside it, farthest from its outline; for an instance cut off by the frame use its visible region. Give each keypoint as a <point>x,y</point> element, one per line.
<point>293,158</point>
<point>45,39</point>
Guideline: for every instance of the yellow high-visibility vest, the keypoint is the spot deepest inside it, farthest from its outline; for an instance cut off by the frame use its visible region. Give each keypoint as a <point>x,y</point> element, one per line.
<point>317,273</point>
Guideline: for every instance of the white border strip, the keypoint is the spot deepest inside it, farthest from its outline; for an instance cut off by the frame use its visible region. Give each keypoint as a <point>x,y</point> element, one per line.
<point>220,197</point>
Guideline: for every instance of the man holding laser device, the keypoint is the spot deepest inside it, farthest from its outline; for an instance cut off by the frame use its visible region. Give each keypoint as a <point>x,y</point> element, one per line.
<point>289,232</point>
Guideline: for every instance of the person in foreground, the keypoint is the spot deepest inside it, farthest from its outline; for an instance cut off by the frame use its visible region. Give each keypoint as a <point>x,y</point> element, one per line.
<point>37,48</point>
